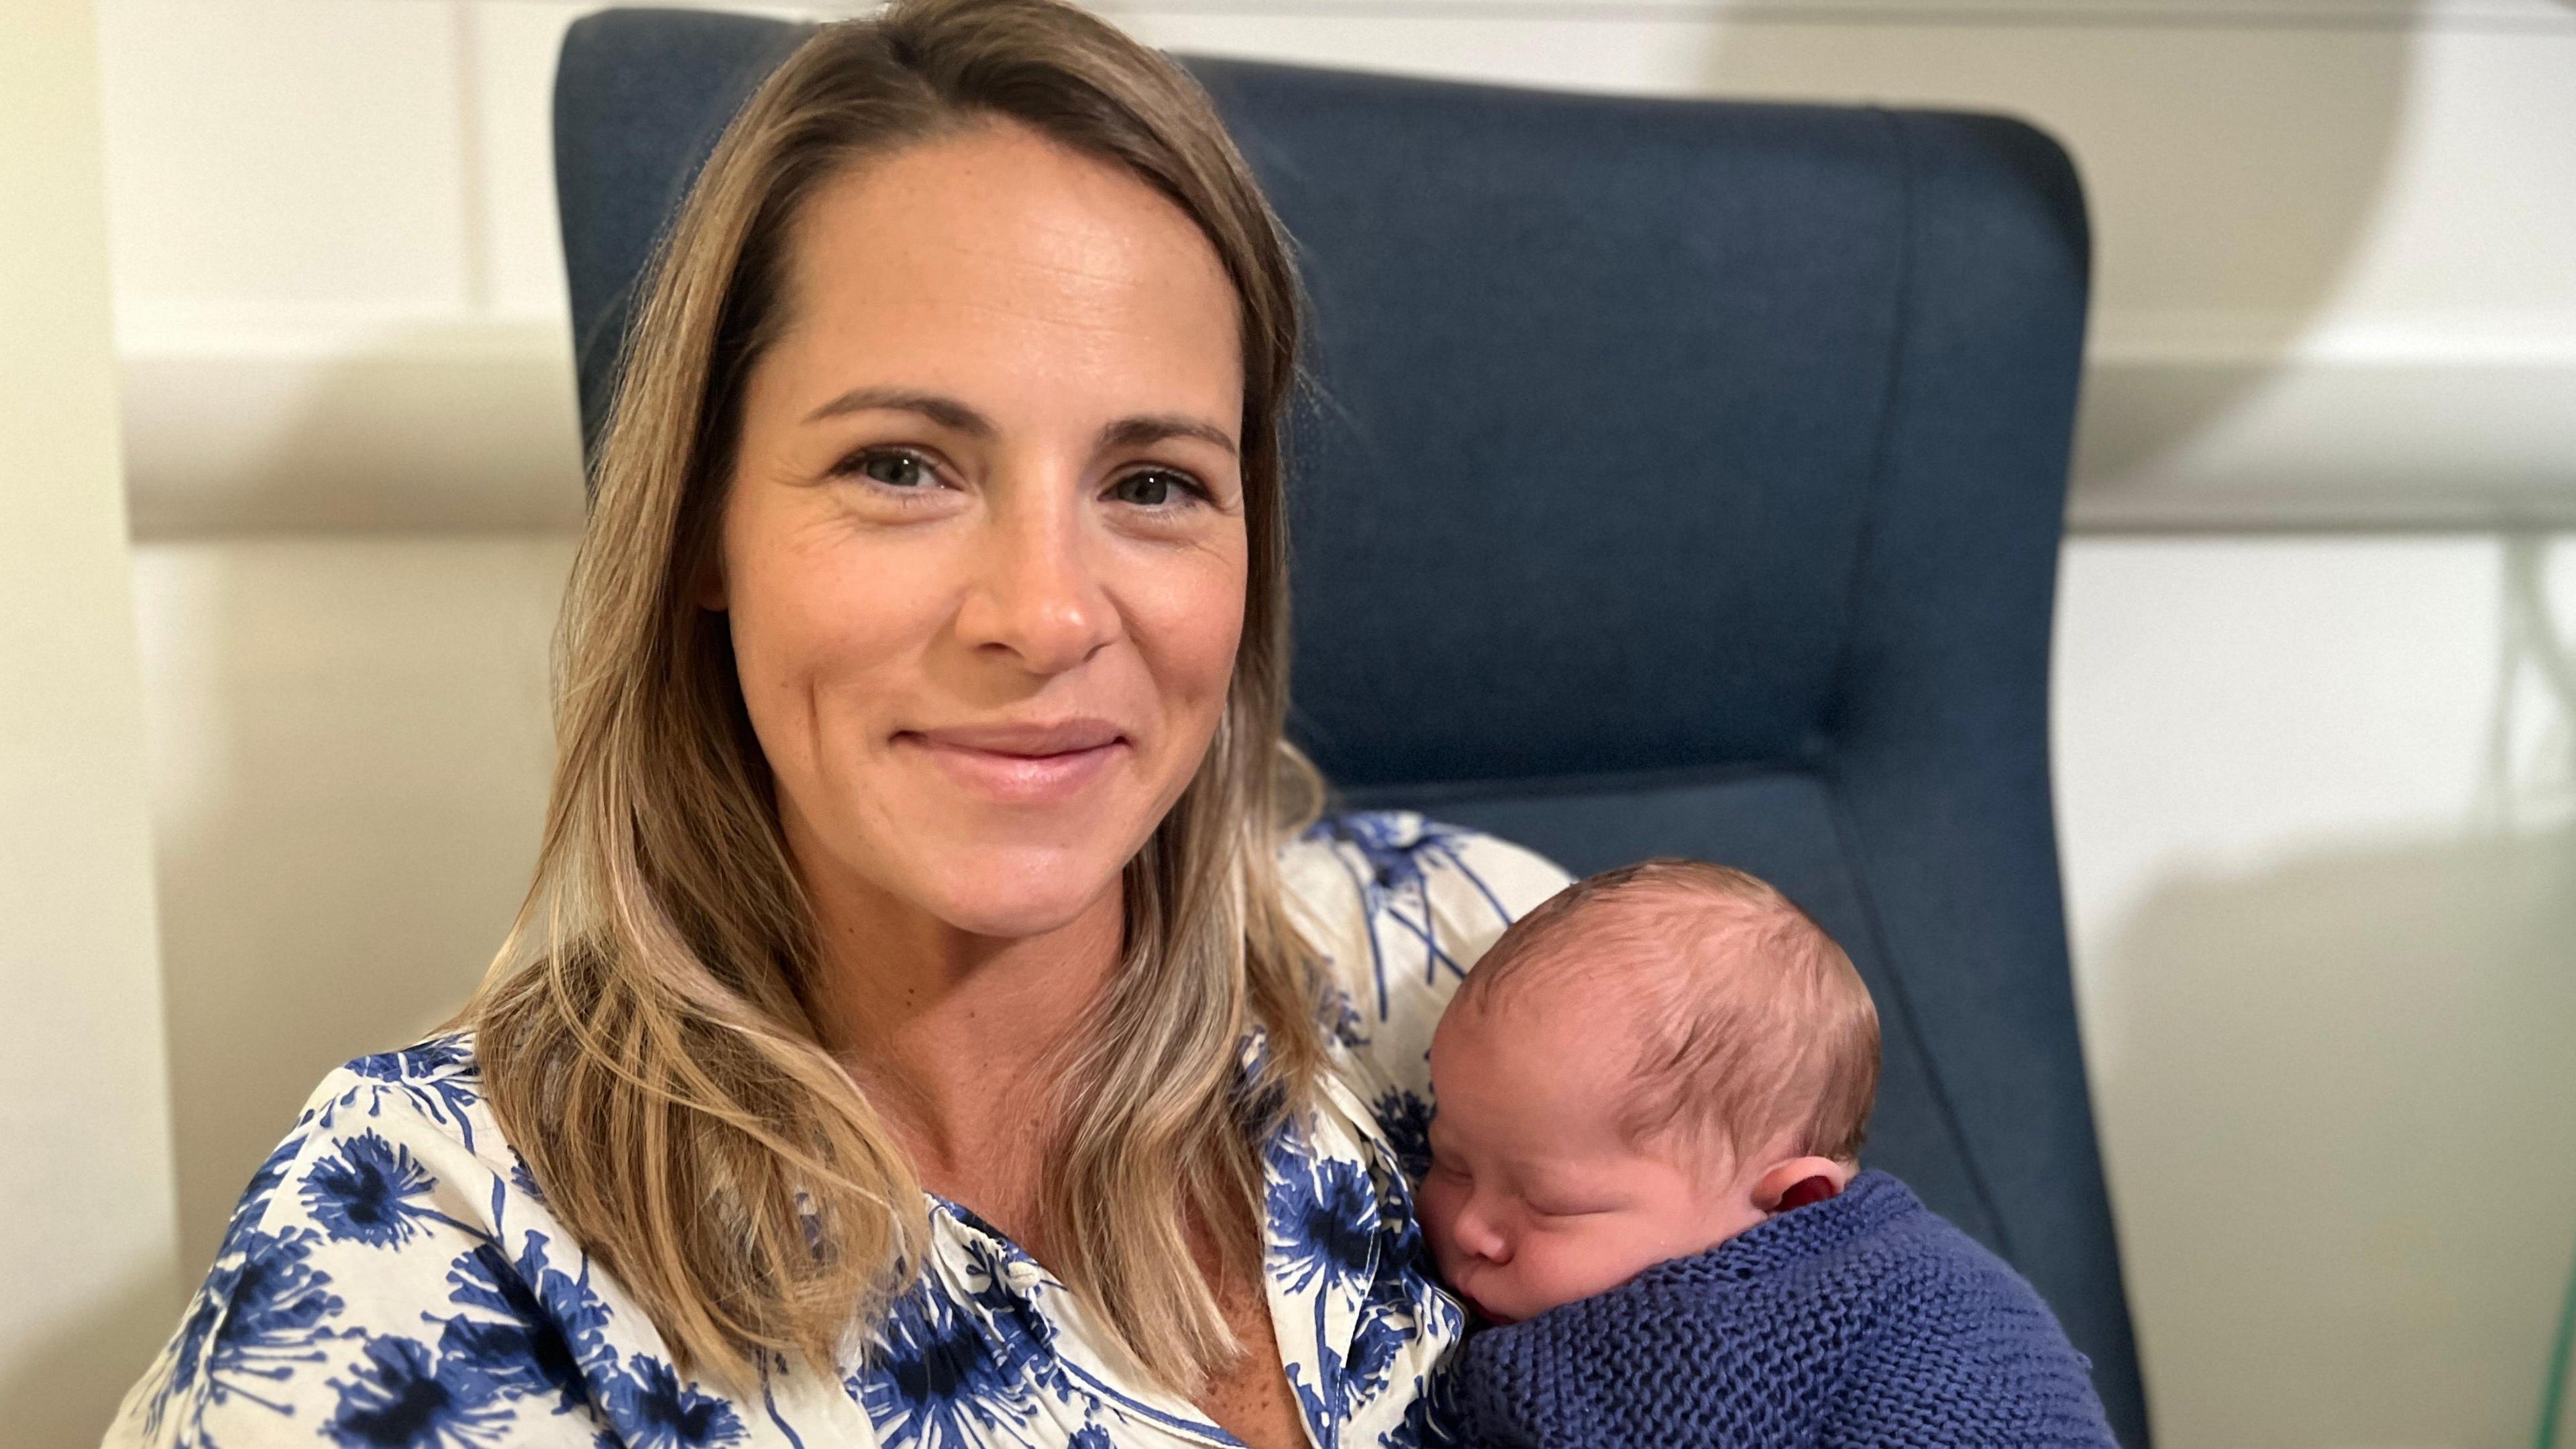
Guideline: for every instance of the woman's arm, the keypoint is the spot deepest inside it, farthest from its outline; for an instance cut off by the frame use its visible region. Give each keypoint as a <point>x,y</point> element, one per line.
<point>383,1282</point>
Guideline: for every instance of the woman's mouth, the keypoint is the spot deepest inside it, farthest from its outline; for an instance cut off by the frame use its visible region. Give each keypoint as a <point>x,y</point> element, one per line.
<point>1022,764</point>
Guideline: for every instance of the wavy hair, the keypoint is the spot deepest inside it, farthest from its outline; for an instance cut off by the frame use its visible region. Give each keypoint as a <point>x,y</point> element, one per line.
<point>643,1033</point>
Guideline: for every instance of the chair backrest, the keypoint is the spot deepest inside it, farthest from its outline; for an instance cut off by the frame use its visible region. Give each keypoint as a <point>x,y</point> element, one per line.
<point>1683,478</point>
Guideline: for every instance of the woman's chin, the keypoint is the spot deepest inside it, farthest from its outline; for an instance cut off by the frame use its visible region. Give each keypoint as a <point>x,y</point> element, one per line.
<point>1013,897</point>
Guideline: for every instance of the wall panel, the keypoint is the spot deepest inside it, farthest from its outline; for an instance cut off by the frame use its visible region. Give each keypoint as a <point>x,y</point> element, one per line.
<point>2336,241</point>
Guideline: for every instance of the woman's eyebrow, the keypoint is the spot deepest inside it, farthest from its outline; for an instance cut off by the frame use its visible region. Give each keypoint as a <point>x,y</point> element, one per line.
<point>948,412</point>
<point>1140,431</point>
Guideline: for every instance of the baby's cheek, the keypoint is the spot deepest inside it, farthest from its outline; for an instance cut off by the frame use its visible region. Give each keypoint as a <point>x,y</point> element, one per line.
<point>1435,1204</point>
<point>1607,1254</point>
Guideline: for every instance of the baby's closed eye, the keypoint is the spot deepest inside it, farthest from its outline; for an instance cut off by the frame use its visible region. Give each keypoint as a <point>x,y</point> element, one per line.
<point>1568,1207</point>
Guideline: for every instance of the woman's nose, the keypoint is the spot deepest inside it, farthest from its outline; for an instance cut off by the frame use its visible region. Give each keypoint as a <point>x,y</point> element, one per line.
<point>1038,595</point>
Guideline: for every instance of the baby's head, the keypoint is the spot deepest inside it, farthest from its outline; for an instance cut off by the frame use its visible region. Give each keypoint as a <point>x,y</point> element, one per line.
<point>1653,1061</point>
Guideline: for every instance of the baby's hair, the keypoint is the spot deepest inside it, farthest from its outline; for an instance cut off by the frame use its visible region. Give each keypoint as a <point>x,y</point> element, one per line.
<point>1755,1026</point>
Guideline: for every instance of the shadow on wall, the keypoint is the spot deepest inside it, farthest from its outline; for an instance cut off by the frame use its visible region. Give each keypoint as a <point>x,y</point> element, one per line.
<point>351,750</point>
<point>2232,166</point>
<point>298,442</point>
<point>41,1395</point>
<point>2351,1070</point>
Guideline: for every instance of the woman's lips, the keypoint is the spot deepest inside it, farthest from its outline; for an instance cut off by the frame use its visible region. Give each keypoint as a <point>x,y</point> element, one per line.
<point>1022,764</point>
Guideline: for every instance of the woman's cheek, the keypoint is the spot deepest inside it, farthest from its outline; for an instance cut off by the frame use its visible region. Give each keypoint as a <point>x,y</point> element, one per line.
<point>1187,607</point>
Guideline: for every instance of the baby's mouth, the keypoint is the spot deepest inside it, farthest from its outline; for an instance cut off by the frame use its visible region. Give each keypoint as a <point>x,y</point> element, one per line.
<point>1476,1306</point>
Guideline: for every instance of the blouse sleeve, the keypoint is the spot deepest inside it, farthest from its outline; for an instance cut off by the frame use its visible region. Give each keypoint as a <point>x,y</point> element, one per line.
<point>382,1282</point>
<point>1400,907</point>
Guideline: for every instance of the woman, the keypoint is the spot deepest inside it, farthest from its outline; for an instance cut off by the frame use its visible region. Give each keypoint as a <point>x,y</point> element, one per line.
<point>924,1028</point>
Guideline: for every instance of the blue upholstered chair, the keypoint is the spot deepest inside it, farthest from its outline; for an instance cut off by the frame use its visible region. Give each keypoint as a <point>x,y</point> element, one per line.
<point>1684,478</point>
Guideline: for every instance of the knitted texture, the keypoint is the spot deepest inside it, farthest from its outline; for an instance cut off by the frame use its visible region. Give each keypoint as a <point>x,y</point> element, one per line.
<point>1861,1320</point>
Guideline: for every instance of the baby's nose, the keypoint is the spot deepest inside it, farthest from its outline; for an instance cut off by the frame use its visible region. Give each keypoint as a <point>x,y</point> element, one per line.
<point>1477,1238</point>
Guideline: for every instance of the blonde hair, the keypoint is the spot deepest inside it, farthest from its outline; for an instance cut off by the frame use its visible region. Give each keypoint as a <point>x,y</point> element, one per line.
<point>1757,1028</point>
<point>643,1034</point>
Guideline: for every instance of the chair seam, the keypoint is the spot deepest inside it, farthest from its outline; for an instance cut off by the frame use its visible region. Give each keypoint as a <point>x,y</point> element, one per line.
<point>1846,832</point>
<point>1846,837</point>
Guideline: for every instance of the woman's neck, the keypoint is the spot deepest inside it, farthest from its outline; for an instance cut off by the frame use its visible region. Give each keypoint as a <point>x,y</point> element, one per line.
<point>949,1032</point>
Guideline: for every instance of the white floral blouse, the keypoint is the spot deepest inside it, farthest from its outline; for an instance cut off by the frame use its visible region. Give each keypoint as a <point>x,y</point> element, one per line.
<point>392,1278</point>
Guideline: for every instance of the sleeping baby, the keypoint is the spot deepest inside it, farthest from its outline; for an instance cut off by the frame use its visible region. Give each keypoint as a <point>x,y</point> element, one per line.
<point>1650,1095</point>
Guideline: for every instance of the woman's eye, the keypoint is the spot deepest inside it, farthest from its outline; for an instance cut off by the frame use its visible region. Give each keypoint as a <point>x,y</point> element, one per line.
<point>1151,489</point>
<point>896,470</point>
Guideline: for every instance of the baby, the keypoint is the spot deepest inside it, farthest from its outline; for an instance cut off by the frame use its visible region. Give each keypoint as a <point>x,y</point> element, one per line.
<point>1650,1095</point>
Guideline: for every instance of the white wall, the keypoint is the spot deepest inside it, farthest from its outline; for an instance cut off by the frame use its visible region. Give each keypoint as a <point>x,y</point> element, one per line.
<point>2322,876</point>
<point>85,1203</point>
<point>350,753</point>
<point>2320,913</point>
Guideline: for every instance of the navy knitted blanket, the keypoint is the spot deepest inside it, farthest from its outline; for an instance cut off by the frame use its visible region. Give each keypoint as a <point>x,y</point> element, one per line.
<point>1861,1320</point>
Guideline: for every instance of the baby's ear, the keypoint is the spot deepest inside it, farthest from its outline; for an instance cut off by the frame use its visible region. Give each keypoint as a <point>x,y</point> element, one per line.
<point>1800,1181</point>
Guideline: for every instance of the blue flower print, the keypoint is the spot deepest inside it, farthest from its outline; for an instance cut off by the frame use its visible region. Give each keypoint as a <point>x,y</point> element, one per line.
<point>1400,1300</point>
<point>1323,1215</point>
<point>1406,1120</point>
<point>1398,851</point>
<point>1389,1320</point>
<point>1342,1019</point>
<point>1427,1419</point>
<point>440,1055</point>
<point>439,1075</point>
<point>403,1396</point>
<point>394,1279</point>
<point>939,1380</point>
<point>551,1332</point>
<point>1321,1417</point>
<point>277,1300</point>
<point>259,1190</point>
<point>1024,1334</point>
<point>208,1307</point>
<point>524,1181</point>
<point>652,1409</point>
<point>261,1312</point>
<point>1376,1343</point>
<point>365,1192</point>
<point>1390,850</point>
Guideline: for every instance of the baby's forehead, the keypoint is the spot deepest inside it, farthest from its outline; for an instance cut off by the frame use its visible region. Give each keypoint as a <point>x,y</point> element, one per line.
<point>1529,1064</point>
<point>1556,1010</point>
<point>1655,944</point>
<point>1610,984</point>
<point>1596,1015</point>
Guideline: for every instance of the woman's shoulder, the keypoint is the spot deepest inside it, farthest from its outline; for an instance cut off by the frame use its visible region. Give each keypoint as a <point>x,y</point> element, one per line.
<point>393,1263</point>
<point>1400,906</point>
<point>421,1105</point>
<point>1396,848</point>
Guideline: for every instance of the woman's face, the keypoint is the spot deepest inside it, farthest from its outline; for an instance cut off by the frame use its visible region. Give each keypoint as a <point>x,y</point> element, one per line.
<point>983,548</point>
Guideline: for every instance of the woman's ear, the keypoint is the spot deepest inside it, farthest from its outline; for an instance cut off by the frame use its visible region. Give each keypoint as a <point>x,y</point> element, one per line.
<point>1800,1181</point>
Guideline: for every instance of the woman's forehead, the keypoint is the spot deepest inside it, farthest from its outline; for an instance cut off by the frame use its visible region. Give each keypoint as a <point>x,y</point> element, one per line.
<point>995,254</point>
